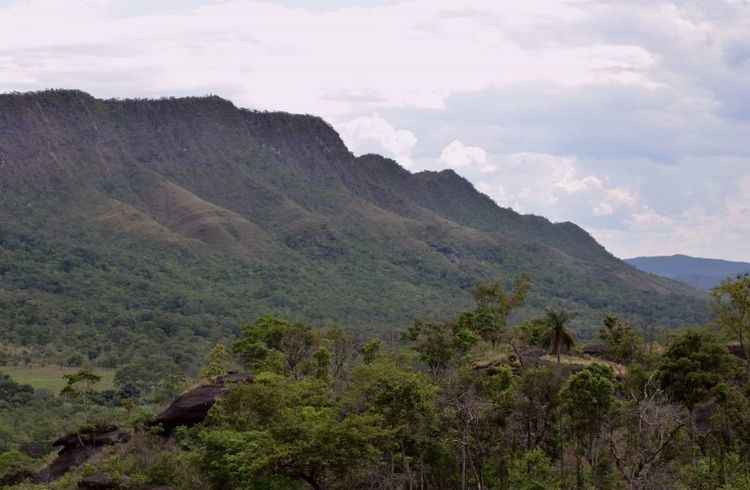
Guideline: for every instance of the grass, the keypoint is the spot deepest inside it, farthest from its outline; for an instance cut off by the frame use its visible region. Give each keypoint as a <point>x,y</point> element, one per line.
<point>51,377</point>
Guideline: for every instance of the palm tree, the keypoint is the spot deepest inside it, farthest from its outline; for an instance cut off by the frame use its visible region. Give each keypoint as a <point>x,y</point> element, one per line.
<point>558,334</point>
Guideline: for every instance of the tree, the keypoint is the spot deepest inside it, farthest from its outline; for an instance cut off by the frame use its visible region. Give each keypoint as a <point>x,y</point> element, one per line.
<point>623,343</point>
<point>371,350</point>
<point>80,386</point>
<point>494,306</point>
<point>341,346</point>
<point>587,400</point>
<point>142,378</point>
<point>694,363</point>
<point>217,363</point>
<point>533,470</point>
<point>646,428</point>
<point>535,406</point>
<point>280,429</point>
<point>732,308</point>
<point>272,344</point>
<point>403,400</point>
<point>13,394</point>
<point>439,344</point>
<point>475,413</point>
<point>558,335</point>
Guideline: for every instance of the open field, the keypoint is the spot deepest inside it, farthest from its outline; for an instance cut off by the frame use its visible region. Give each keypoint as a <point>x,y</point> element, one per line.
<point>51,377</point>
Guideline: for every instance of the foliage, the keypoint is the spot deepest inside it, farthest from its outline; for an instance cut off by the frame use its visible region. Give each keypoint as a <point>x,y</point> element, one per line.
<point>217,363</point>
<point>13,394</point>
<point>624,345</point>
<point>493,308</point>
<point>533,470</point>
<point>279,428</point>
<point>276,345</point>
<point>558,337</point>
<point>440,344</point>
<point>732,310</point>
<point>694,363</point>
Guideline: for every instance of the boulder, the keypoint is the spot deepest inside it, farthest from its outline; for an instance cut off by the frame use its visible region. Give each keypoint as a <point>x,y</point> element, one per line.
<point>78,447</point>
<point>192,407</point>
<point>595,350</point>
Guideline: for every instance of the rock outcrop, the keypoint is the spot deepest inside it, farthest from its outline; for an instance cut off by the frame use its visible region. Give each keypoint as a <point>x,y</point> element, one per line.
<point>192,407</point>
<point>78,447</point>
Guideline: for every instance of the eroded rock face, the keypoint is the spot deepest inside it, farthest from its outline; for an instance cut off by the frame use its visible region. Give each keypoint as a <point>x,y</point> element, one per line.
<point>78,447</point>
<point>192,407</point>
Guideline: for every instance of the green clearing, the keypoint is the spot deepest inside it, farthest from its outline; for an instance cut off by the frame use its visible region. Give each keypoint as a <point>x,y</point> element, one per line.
<point>51,377</point>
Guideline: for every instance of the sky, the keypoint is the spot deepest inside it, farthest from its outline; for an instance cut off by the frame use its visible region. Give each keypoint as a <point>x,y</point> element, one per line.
<point>630,118</point>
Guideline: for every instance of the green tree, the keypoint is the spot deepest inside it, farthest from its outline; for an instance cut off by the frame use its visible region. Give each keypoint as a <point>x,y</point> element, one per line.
<point>279,429</point>
<point>623,343</point>
<point>587,400</point>
<point>371,350</point>
<point>559,336</point>
<point>404,401</point>
<point>218,362</point>
<point>732,308</point>
<point>494,306</point>
<point>440,345</point>
<point>80,386</point>
<point>533,470</point>
<point>694,363</point>
<point>535,406</point>
<point>274,344</point>
<point>143,378</point>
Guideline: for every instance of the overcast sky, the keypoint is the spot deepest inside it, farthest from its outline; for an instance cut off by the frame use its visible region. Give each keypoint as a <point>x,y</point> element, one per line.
<point>630,118</point>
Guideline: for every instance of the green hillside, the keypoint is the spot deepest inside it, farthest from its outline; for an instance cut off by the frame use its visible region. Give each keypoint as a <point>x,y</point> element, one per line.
<point>145,227</point>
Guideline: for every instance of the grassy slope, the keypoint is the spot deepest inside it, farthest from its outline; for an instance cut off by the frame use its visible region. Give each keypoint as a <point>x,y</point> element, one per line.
<point>51,377</point>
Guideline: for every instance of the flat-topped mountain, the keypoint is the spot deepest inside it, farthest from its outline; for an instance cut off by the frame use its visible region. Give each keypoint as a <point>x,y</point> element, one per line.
<point>186,217</point>
<point>697,272</point>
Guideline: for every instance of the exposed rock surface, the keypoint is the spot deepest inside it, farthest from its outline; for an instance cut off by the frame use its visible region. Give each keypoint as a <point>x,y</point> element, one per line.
<point>192,407</point>
<point>78,447</point>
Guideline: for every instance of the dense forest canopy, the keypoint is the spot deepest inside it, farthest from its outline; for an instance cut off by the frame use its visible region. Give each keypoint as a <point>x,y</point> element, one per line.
<point>476,401</point>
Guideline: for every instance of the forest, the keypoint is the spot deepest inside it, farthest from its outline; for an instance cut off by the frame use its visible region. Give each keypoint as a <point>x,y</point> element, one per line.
<point>480,401</point>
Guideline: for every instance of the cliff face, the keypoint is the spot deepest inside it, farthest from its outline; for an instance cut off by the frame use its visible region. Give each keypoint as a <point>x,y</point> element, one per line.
<point>325,235</point>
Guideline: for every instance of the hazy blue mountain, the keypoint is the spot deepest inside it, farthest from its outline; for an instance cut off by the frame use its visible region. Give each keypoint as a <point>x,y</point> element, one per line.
<point>698,272</point>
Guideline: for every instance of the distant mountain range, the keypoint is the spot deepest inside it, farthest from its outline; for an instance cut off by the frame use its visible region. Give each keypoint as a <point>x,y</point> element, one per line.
<point>184,218</point>
<point>697,272</point>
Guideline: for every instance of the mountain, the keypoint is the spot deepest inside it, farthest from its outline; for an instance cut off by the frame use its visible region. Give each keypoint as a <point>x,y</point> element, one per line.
<point>697,272</point>
<point>126,224</point>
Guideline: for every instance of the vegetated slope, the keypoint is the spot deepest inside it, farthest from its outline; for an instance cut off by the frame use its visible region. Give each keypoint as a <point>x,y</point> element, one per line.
<point>128,221</point>
<point>697,272</point>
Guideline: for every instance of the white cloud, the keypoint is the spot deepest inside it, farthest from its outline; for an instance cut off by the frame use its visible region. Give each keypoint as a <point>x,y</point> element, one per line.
<point>373,134</point>
<point>457,155</point>
<point>555,186</point>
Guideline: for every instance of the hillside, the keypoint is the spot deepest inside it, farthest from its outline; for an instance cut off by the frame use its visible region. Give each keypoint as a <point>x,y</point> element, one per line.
<point>129,224</point>
<point>697,272</point>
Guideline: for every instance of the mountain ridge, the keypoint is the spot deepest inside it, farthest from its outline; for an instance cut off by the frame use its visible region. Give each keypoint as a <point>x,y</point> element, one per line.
<point>292,222</point>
